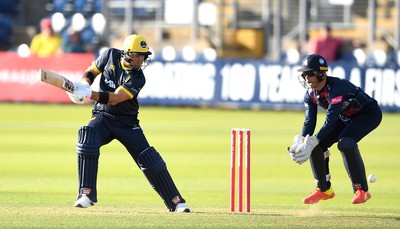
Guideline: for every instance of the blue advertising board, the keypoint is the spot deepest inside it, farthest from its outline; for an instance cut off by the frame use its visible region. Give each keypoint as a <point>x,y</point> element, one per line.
<point>254,84</point>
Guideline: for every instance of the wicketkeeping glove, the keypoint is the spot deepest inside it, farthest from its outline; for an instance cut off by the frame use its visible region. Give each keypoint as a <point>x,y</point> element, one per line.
<point>297,140</point>
<point>303,151</point>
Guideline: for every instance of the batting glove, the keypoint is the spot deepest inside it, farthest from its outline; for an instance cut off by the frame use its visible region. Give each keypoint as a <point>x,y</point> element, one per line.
<point>83,88</point>
<point>82,91</point>
<point>85,92</point>
<point>303,151</point>
<point>81,84</point>
<point>78,99</point>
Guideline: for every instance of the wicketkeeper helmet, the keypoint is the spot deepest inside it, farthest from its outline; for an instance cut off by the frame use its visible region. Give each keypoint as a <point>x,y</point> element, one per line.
<point>314,62</point>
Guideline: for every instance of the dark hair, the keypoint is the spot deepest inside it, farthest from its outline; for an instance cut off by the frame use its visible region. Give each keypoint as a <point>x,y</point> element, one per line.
<point>327,27</point>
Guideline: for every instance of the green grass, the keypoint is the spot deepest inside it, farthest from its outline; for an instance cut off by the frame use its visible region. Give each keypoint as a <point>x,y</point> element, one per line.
<point>38,172</point>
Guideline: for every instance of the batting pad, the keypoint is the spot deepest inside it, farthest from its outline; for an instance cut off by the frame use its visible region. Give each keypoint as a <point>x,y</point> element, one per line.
<point>87,149</point>
<point>155,170</point>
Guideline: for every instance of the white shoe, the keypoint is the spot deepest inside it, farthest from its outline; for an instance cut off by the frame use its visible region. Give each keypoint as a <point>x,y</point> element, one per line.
<point>83,202</point>
<point>182,208</point>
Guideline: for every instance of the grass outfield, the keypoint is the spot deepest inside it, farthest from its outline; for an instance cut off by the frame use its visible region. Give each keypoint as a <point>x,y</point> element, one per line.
<point>38,172</point>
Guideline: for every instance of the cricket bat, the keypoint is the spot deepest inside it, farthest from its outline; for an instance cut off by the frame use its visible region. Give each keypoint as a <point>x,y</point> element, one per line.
<point>57,80</point>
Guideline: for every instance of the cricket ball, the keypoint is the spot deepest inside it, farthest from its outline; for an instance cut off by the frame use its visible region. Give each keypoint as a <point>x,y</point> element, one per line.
<point>372,178</point>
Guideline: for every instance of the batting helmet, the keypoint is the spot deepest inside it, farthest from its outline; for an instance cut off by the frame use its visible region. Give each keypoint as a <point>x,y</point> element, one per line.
<point>136,44</point>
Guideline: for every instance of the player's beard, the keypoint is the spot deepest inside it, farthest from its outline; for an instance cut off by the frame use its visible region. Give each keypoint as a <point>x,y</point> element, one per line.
<point>136,64</point>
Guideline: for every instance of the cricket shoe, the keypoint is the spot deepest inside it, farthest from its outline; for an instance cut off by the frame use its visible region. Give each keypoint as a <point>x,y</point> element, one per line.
<point>360,196</point>
<point>182,208</point>
<point>83,202</point>
<point>317,195</point>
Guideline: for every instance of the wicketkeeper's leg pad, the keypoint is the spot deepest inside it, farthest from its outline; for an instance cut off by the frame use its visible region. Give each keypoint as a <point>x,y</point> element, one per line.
<point>318,166</point>
<point>353,162</point>
<point>156,172</point>
<point>88,152</point>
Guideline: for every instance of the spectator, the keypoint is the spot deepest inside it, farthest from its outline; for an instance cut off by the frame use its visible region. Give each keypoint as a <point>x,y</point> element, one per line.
<point>46,43</point>
<point>326,44</point>
<point>73,43</point>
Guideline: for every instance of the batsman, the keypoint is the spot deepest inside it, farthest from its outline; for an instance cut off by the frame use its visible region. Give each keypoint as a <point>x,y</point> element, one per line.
<point>115,116</point>
<point>351,114</point>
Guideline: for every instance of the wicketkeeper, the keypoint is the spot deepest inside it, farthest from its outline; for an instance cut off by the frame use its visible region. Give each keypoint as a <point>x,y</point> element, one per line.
<point>350,115</point>
<point>115,116</point>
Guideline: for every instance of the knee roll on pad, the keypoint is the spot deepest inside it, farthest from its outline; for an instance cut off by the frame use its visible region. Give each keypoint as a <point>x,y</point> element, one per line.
<point>151,162</point>
<point>346,144</point>
<point>88,141</point>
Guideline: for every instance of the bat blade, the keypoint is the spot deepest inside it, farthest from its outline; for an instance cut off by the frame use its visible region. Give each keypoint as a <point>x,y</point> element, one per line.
<point>56,80</point>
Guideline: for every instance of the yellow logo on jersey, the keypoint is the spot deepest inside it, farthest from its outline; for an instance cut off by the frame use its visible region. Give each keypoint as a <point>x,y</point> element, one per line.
<point>112,67</point>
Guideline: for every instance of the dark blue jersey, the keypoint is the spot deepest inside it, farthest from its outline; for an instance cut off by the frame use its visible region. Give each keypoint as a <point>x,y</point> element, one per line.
<point>115,75</point>
<point>342,100</point>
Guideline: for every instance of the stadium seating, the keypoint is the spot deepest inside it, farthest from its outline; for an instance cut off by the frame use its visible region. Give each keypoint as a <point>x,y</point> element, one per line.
<point>85,7</point>
<point>7,9</point>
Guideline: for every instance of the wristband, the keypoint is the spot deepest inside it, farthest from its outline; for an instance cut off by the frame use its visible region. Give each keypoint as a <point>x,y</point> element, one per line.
<point>104,97</point>
<point>89,75</point>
